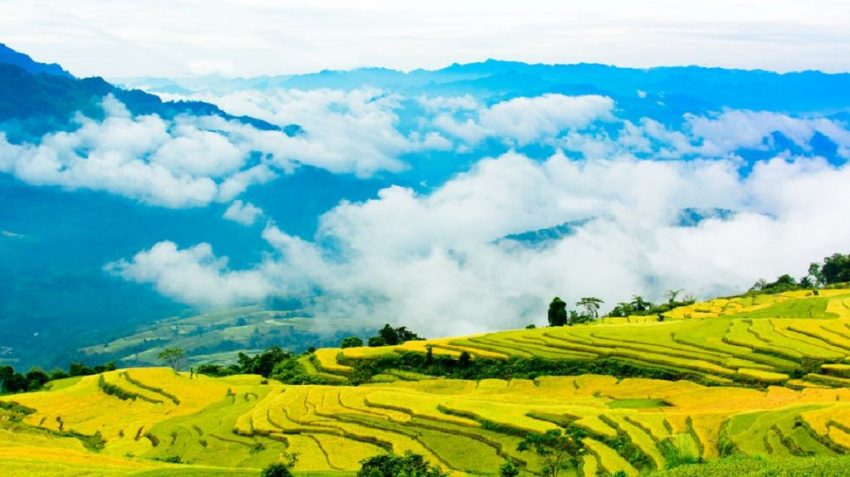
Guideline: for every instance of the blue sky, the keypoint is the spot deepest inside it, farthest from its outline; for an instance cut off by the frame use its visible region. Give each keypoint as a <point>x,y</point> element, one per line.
<point>247,38</point>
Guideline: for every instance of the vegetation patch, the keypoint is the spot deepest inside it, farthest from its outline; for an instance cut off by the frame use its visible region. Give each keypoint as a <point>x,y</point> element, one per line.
<point>637,404</point>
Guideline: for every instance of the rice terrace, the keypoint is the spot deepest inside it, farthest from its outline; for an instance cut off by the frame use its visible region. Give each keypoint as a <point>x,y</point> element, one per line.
<point>734,384</point>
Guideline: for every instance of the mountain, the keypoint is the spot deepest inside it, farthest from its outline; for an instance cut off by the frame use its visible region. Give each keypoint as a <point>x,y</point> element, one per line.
<point>11,57</point>
<point>711,88</point>
<point>37,98</point>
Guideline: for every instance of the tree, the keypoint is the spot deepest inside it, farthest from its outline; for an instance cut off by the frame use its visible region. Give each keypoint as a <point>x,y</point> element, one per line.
<point>79,369</point>
<point>815,273</point>
<point>557,312</point>
<point>391,465</point>
<point>639,304</point>
<point>351,342</point>
<point>377,342</point>
<point>835,269</point>
<point>15,383</point>
<point>282,468</point>
<point>172,357</point>
<point>760,284</point>
<point>265,362</point>
<point>557,450</point>
<point>389,334</point>
<point>36,379</point>
<point>508,469</point>
<point>464,360</point>
<point>591,306</point>
<point>6,372</point>
<point>671,295</point>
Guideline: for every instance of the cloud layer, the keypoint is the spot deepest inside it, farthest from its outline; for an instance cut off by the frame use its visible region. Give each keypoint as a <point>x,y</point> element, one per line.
<point>444,257</point>
<point>440,263</point>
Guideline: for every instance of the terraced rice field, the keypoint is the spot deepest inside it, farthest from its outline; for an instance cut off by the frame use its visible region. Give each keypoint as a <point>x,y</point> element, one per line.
<point>767,376</point>
<point>468,427</point>
<point>795,338</point>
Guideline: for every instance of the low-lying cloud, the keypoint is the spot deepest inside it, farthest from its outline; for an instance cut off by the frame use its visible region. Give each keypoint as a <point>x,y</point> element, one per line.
<point>440,262</point>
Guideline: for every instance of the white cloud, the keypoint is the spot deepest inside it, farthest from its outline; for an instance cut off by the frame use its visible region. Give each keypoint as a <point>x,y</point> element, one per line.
<point>193,275</point>
<point>344,131</point>
<point>243,213</point>
<point>733,130</point>
<point>186,162</point>
<point>435,262</point>
<point>192,161</point>
<point>524,121</point>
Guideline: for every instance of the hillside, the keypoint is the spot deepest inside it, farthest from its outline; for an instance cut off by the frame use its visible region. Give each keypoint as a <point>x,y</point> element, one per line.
<point>795,339</point>
<point>759,379</point>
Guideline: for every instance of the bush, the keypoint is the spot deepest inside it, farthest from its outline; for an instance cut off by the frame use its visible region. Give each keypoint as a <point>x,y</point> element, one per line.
<point>391,465</point>
<point>509,469</point>
<point>351,342</point>
<point>276,469</point>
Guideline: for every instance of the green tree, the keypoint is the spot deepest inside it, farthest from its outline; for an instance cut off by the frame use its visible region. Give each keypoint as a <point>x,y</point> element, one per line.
<point>79,369</point>
<point>282,468</point>
<point>671,295</point>
<point>377,342</point>
<point>36,379</point>
<point>836,269</point>
<point>557,450</point>
<point>391,465</point>
<point>173,357</point>
<point>591,306</point>
<point>389,334</point>
<point>639,304</point>
<point>815,274</point>
<point>508,469</point>
<point>351,342</point>
<point>557,312</point>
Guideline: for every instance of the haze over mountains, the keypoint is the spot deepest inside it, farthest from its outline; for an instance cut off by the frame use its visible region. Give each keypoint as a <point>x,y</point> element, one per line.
<point>452,201</point>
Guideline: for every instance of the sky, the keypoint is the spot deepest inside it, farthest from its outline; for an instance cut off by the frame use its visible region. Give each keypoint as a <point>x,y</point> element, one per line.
<point>123,38</point>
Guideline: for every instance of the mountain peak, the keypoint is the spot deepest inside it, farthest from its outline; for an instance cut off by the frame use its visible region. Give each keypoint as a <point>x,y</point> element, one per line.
<point>21,60</point>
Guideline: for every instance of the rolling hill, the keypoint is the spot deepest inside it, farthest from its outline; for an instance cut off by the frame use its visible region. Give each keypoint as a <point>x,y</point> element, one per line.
<point>755,380</point>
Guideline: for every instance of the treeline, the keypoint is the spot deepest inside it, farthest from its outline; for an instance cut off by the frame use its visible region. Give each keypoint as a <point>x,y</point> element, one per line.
<point>287,367</point>
<point>587,309</point>
<point>274,363</point>
<point>33,380</point>
<point>467,367</point>
<point>834,271</point>
<point>386,336</point>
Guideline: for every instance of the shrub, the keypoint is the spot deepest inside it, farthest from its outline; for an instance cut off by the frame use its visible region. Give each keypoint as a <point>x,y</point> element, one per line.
<point>276,469</point>
<point>391,465</point>
<point>351,342</point>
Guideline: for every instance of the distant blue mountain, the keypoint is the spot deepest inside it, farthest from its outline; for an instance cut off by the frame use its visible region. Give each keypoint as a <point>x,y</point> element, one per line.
<point>549,234</point>
<point>32,104</point>
<point>11,57</point>
<point>691,217</point>
<point>686,88</point>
